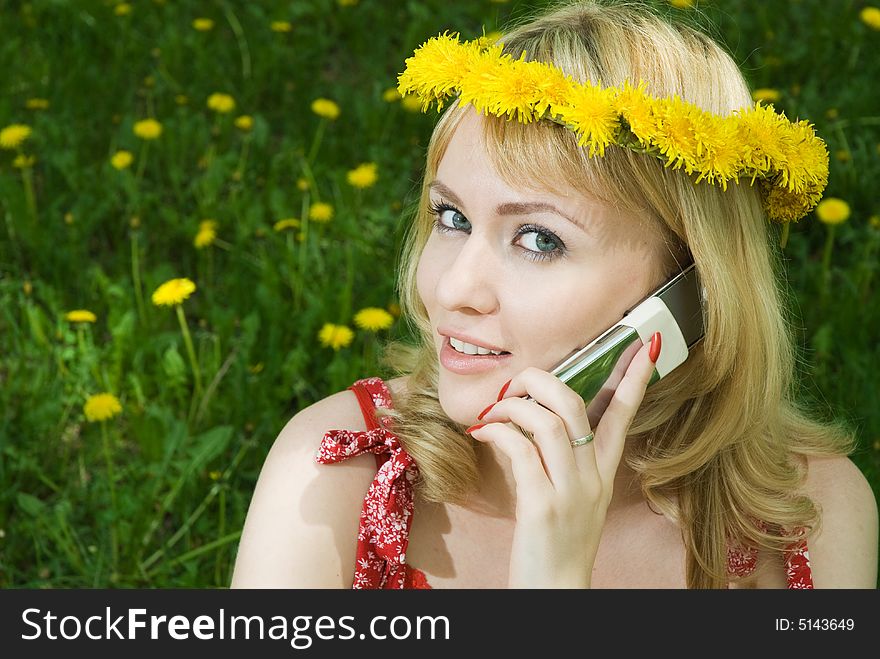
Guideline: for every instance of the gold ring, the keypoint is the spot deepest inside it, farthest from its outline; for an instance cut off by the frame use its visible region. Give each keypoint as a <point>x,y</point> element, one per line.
<point>580,441</point>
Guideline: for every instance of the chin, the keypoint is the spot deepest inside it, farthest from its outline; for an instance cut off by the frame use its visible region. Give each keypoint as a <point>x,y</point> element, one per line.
<point>462,403</point>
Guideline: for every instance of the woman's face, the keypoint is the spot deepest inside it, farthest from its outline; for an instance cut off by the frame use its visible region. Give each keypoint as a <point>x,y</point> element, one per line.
<point>534,273</point>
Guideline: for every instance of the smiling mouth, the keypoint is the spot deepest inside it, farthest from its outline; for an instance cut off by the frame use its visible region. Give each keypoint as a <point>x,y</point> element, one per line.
<point>472,350</point>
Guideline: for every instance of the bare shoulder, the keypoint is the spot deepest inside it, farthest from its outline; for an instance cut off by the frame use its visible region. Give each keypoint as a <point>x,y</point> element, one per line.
<point>302,524</point>
<point>843,552</point>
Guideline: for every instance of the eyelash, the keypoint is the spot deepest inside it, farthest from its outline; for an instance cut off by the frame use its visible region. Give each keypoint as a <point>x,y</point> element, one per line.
<point>438,207</point>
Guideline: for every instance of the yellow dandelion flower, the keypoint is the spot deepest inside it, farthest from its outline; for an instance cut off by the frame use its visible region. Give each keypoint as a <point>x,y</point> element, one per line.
<point>36,104</point>
<point>289,223</point>
<point>181,99</point>
<point>832,210</point>
<point>391,95</point>
<point>436,68</point>
<point>80,316</point>
<point>203,24</point>
<point>27,287</point>
<point>13,135</point>
<point>321,212</point>
<point>335,336</point>
<point>280,26</point>
<point>874,221</point>
<point>22,161</point>
<point>214,475</point>
<point>373,319</point>
<point>245,122</point>
<point>363,176</point>
<point>100,407</point>
<point>121,159</point>
<point>206,235</point>
<point>682,4</point>
<point>222,103</point>
<point>302,184</point>
<point>173,291</point>
<point>593,116</point>
<point>411,103</point>
<point>637,110</point>
<point>122,9</point>
<point>324,107</point>
<point>766,95</point>
<point>147,129</point>
<point>871,17</point>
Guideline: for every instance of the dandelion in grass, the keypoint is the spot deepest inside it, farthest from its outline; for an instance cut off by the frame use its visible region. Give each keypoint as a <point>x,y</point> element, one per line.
<point>122,9</point>
<point>203,24</point>
<point>181,99</point>
<point>37,104</point>
<point>321,211</point>
<point>766,95</point>
<point>172,294</point>
<point>871,17</point>
<point>147,129</point>
<point>682,4</point>
<point>244,123</point>
<point>411,103</point>
<point>280,26</point>
<point>328,111</point>
<point>122,160</point>
<point>833,211</point>
<point>222,103</point>
<point>325,108</point>
<point>302,184</point>
<point>21,161</point>
<point>373,319</point>
<point>80,316</point>
<point>285,224</point>
<point>101,408</point>
<point>14,135</point>
<point>335,336</point>
<point>206,234</point>
<point>391,95</point>
<point>363,176</point>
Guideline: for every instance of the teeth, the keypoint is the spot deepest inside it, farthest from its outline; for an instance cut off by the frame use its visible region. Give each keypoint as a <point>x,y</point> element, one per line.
<point>470,348</point>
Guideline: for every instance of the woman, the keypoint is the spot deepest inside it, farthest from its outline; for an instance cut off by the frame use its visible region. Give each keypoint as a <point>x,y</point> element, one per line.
<point>550,208</point>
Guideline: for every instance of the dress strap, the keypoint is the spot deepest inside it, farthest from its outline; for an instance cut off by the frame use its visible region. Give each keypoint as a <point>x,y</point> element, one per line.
<point>386,516</point>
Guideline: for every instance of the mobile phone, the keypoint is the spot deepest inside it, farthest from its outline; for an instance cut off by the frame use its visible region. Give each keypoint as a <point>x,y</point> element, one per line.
<point>675,309</point>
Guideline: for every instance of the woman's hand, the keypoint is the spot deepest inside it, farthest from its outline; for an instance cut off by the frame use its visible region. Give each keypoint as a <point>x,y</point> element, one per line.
<point>562,491</point>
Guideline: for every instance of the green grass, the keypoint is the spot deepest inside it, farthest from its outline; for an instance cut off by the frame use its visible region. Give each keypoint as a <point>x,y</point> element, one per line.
<point>156,496</point>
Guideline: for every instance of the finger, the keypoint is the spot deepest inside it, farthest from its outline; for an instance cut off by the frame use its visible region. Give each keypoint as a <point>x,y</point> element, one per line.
<point>550,392</point>
<point>622,409</point>
<point>525,462</point>
<point>551,436</point>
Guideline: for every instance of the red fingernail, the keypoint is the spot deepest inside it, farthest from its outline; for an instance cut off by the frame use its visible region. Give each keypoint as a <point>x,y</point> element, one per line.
<point>654,350</point>
<point>486,411</point>
<point>476,427</point>
<point>503,389</point>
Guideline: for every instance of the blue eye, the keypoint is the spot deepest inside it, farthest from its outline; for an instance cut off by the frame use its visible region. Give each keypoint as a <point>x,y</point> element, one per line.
<point>444,213</point>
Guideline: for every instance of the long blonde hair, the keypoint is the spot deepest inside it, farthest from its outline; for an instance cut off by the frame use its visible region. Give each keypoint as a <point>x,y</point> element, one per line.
<point>721,435</point>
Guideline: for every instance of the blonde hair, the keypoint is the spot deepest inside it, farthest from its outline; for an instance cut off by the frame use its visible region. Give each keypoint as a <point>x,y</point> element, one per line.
<point>721,434</point>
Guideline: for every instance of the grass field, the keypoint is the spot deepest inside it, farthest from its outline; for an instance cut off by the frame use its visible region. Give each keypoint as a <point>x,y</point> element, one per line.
<point>288,220</point>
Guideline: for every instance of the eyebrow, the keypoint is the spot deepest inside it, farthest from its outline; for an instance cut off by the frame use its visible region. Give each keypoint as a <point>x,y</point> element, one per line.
<point>510,207</point>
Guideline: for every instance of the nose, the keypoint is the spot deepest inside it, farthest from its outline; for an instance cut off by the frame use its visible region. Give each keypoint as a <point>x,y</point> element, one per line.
<point>471,279</point>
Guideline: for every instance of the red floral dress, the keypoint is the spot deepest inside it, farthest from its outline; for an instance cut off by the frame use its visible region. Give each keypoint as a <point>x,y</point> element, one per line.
<point>386,517</point>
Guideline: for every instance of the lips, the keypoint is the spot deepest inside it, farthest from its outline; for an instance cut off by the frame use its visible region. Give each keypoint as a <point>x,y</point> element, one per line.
<point>463,364</point>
